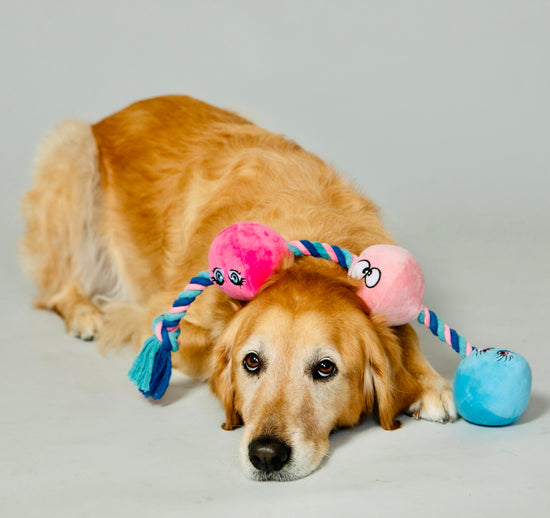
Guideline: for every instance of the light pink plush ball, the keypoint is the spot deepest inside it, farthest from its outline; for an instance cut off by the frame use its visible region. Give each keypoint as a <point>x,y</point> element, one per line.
<point>243,256</point>
<point>392,282</point>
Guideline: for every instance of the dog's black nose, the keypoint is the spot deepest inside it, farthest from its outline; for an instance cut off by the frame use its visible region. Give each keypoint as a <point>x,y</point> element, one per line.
<point>268,453</point>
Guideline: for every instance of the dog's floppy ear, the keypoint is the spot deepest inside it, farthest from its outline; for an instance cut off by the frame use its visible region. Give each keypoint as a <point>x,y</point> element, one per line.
<point>389,387</point>
<point>221,383</point>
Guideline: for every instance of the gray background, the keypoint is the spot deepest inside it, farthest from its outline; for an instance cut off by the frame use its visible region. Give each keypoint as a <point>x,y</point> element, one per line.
<point>440,112</point>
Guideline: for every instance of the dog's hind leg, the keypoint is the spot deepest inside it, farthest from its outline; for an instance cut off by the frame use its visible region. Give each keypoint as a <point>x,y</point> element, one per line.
<point>63,249</point>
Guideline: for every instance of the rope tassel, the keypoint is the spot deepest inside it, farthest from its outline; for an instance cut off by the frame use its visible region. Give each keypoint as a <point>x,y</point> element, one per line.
<point>152,368</point>
<point>152,360</point>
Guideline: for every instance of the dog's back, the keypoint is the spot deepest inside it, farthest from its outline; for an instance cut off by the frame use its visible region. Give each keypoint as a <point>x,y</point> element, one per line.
<point>132,203</point>
<point>177,171</point>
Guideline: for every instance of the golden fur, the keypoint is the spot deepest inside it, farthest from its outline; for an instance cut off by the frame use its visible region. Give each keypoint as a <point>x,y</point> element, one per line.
<point>121,216</point>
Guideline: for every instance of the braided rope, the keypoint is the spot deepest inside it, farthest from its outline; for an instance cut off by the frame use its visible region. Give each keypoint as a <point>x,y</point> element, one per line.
<point>444,332</point>
<point>166,326</point>
<point>314,249</point>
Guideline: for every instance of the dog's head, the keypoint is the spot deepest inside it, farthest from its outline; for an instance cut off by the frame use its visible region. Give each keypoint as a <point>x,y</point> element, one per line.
<point>302,358</point>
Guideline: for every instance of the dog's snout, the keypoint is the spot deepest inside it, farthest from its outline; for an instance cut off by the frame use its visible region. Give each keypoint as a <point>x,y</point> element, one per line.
<point>268,454</point>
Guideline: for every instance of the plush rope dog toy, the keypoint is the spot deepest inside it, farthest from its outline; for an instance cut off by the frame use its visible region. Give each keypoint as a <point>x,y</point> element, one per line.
<point>491,386</point>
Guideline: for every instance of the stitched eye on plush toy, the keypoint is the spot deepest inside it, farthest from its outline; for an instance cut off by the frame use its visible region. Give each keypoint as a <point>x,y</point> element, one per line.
<point>235,278</point>
<point>503,354</point>
<point>372,277</point>
<point>217,276</point>
<point>252,363</point>
<point>363,270</point>
<point>360,269</point>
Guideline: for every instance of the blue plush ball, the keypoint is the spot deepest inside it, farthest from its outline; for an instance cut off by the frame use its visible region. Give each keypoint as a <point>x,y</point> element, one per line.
<point>492,387</point>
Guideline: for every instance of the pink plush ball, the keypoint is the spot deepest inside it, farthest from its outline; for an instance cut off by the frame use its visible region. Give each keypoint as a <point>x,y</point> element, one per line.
<point>243,256</point>
<point>392,282</point>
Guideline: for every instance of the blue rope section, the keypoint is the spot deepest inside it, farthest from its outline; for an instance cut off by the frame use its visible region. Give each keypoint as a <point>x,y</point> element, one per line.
<point>316,249</point>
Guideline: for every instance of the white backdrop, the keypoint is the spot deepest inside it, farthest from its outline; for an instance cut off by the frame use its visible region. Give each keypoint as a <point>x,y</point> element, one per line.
<point>439,110</point>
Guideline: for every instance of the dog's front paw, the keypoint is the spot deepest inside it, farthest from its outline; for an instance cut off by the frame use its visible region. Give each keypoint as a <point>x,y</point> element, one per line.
<point>435,404</point>
<point>85,322</point>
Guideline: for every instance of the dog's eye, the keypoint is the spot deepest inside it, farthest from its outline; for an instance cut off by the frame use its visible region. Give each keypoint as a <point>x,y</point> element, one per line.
<point>252,363</point>
<point>324,369</point>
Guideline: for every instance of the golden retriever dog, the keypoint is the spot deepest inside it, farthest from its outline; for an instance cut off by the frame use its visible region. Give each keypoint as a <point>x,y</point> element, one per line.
<point>121,217</point>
